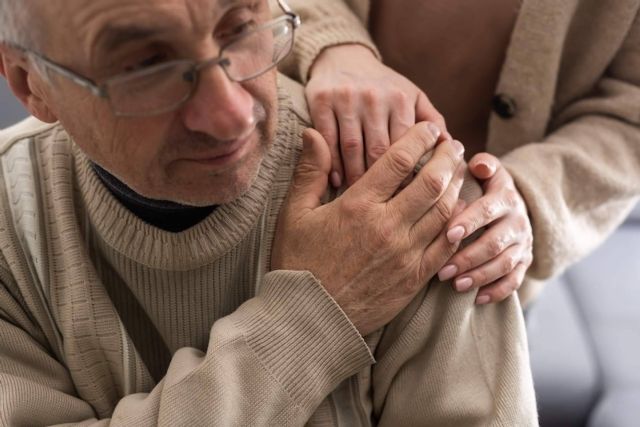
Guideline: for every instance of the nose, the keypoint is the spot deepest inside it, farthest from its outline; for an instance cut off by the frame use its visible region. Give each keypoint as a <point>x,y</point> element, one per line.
<point>219,107</point>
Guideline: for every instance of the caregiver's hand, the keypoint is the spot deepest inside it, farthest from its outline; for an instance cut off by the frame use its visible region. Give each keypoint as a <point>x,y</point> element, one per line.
<point>360,106</point>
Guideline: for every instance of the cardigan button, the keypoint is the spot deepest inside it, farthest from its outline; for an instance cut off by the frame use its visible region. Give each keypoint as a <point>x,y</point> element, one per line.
<point>504,106</point>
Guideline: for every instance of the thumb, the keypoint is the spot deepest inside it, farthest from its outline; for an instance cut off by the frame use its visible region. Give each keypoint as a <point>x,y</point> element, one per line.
<point>311,177</point>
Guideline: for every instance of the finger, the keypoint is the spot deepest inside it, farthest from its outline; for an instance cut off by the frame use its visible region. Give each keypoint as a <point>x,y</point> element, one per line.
<point>484,166</point>
<point>311,174</point>
<point>435,255</point>
<point>385,176</point>
<point>435,220</point>
<point>498,267</point>
<point>402,117</point>
<point>351,140</point>
<point>503,288</point>
<point>430,183</point>
<point>425,111</point>
<point>376,132</point>
<point>480,213</point>
<point>489,245</point>
<point>324,121</point>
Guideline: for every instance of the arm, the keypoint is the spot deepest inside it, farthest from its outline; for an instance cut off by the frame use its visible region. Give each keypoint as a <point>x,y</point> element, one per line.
<point>239,381</point>
<point>444,361</point>
<point>350,92</point>
<point>325,23</point>
<point>360,106</point>
<point>584,178</point>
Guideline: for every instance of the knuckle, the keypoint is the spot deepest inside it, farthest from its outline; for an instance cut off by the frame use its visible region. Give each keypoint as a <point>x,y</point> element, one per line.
<point>345,94</point>
<point>371,97</point>
<point>495,247</point>
<point>401,162</point>
<point>386,233</point>
<point>523,223</point>
<point>508,264</point>
<point>488,209</point>
<point>444,210</point>
<point>351,145</point>
<point>321,97</point>
<point>511,198</point>
<point>435,184</point>
<point>481,278</point>
<point>376,151</point>
<point>465,261</point>
<point>353,209</point>
<point>399,97</point>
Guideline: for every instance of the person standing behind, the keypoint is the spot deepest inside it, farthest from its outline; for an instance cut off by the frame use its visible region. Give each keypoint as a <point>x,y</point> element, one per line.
<point>545,96</point>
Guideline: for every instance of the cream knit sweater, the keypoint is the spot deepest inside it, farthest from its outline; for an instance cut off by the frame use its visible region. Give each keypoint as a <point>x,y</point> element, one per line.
<point>573,70</point>
<point>105,320</point>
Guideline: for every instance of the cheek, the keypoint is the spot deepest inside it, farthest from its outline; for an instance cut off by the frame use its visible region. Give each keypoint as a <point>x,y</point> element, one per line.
<point>264,90</point>
<point>131,149</point>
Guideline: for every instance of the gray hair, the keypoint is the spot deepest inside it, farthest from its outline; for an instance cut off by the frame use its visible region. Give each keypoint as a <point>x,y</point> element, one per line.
<point>13,23</point>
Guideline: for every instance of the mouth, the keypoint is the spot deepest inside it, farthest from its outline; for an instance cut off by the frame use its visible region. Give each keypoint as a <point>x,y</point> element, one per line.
<point>227,155</point>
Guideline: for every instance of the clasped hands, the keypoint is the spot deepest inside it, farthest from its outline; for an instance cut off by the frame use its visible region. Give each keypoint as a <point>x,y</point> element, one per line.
<point>361,107</point>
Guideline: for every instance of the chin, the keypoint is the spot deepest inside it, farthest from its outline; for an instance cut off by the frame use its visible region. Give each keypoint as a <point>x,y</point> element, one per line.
<point>207,189</point>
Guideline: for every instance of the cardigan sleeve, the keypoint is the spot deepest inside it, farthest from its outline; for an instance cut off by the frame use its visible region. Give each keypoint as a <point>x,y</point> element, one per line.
<point>325,23</point>
<point>271,362</point>
<point>584,178</point>
<point>446,361</point>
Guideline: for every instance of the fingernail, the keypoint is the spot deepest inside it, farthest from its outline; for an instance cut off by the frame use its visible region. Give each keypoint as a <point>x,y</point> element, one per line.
<point>336,181</point>
<point>463,284</point>
<point>455,234</point>
<point>435,130</point>
<point>447,272</point>
<point>457,145</point>
<point>483,299</point>
<point>485,169</point>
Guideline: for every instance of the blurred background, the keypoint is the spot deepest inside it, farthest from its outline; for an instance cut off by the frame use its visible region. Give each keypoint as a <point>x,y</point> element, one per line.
<point>10,110</point>
<point>584,331</point>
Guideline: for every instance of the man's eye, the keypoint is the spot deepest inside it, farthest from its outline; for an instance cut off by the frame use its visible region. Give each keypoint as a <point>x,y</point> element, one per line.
<point>146,63</point>
<point>237,30</point>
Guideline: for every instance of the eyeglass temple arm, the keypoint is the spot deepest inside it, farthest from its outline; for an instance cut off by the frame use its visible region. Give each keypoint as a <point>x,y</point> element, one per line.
<point>79,80</point>
<point>288,11</point>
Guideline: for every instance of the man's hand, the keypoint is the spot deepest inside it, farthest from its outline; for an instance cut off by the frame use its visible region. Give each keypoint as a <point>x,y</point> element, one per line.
<point>360,106</point>
<point>373,248</point>
<point>499,259</point>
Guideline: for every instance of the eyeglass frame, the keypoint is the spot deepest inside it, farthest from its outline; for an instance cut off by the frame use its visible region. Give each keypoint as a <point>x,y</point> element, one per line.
<point>101,90</point>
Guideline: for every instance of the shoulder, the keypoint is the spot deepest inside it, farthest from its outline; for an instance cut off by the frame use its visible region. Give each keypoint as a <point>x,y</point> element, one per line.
<point>291,94</point>
<point>26,129</point>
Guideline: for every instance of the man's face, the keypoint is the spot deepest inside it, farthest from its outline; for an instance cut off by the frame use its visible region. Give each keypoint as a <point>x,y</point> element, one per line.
<point>206,152</point>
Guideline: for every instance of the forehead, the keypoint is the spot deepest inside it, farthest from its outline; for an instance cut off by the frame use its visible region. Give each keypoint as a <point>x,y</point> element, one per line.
<point>84,23</point>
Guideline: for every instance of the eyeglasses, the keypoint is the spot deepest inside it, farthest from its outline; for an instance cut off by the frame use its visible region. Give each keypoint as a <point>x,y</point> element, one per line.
<point>165,87</point>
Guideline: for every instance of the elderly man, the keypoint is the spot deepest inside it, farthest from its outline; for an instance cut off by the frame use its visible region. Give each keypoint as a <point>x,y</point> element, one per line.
<point>152,272</point>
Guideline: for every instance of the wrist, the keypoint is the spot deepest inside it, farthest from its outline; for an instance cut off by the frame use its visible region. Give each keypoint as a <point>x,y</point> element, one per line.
<point>333,56</point>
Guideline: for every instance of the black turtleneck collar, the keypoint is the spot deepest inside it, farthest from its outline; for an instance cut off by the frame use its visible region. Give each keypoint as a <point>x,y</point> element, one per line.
<point>165,215</point>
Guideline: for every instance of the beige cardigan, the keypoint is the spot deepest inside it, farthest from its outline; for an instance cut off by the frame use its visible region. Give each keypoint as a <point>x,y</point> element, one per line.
<point>573,147</point>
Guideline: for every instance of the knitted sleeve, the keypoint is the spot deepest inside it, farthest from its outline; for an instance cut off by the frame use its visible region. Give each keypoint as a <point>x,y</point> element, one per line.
<point>446,361</point>
<point>271,362</point>
<point>325,23</point>
<point>582,181</point>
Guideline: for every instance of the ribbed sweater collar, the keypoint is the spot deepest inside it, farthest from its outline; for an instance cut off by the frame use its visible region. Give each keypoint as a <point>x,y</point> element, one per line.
<point>198,245</point>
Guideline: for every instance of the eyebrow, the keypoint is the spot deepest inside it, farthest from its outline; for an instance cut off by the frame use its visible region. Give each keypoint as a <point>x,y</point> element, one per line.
<point>115,36</point>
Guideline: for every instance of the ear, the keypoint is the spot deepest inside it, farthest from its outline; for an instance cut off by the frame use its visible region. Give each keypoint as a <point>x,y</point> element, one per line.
<point>25,82</point>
